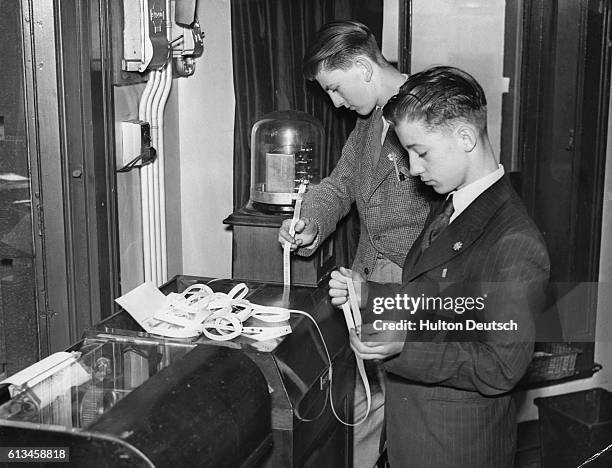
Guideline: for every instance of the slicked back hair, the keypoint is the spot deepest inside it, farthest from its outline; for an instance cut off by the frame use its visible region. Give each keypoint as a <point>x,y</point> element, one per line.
<point>439,97</point>
<point>336,45</point>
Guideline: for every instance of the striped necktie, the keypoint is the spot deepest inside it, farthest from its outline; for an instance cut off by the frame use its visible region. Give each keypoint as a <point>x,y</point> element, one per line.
<point>438,224</point>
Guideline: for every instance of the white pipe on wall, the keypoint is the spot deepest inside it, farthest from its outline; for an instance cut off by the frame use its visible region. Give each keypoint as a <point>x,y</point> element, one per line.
<point>144,194</point>
<point>162,175</point>
<point>152,181</point>
<point>147,181</point>
<point>161,164</point>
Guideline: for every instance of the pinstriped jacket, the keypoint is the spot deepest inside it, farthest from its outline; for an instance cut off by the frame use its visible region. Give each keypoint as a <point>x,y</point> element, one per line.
<point>392,212</point>
<point>453,387</point>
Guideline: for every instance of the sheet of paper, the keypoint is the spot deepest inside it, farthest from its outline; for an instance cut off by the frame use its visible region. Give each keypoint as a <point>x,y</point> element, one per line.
<point>143,302</point>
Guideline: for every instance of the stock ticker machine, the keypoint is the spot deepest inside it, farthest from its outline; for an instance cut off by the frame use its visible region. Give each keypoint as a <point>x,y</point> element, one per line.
<point>124,397</point>
<point>286,149</point>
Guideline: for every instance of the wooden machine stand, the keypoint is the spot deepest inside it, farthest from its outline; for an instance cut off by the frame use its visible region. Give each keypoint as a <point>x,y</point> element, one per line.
<point>258,256</point>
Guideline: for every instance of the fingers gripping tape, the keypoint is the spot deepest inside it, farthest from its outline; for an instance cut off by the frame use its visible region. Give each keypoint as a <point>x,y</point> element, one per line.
<point>287,245</point>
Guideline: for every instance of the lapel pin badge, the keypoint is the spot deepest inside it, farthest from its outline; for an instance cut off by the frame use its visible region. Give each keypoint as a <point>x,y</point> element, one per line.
<point>457,246</point>
<point>393,157</point>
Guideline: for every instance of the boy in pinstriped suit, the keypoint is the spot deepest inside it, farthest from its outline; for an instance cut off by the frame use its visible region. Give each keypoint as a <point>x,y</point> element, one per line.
<point>448,401</point>
<point>346,62</point>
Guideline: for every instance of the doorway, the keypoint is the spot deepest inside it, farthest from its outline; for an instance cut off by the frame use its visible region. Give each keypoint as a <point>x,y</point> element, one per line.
<point>58,229</point>
<point>561,148</point>
<point>18,318</point>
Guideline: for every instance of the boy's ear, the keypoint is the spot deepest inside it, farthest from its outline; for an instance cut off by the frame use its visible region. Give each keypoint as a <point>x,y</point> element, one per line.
<point>467,137</point>
<point>366,67</point>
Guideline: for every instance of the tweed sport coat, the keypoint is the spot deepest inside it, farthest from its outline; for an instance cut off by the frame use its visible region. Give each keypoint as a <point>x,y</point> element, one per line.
<point>448,401</point>
<point>392,212</point>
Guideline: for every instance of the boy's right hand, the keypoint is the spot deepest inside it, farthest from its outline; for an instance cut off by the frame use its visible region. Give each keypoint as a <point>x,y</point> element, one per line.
<point>306,232</point>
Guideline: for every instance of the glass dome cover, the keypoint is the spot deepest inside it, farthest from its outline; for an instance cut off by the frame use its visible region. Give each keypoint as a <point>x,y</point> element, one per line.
<point>286,150</point>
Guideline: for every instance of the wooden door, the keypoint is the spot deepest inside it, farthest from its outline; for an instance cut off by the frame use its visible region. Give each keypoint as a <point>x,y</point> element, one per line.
<point>565,81</point>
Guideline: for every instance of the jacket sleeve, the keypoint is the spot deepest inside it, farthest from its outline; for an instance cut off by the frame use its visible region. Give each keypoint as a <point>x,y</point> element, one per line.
<point>516,269</point>
<point>329,201</point>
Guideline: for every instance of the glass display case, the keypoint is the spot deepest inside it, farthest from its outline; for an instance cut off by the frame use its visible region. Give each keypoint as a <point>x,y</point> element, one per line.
<point>286,150</point>
<point>78,387</point>
<point>123,397</point>
<point>127,400</point>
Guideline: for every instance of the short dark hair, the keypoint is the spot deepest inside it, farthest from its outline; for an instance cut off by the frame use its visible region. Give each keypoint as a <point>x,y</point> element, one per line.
<point>335,46</point>
<point>439,97</point>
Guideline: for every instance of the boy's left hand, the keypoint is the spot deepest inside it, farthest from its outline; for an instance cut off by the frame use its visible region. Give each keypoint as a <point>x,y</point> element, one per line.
<point>338,289</point>
<point>388,342</point>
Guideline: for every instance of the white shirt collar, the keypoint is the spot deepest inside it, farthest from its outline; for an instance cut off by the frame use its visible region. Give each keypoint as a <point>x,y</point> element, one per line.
<point>463,197</point>
<point>385,126</point>
<point>385,130</point>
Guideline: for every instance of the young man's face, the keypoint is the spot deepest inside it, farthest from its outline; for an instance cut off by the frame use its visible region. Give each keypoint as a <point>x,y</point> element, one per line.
<point>435,156</point>
<point>350,88</point>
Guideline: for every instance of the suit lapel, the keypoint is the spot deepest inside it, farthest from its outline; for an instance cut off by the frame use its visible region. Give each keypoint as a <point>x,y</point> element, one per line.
<point>460,234</point>
<point>373,144</point>
<point>385,165</point>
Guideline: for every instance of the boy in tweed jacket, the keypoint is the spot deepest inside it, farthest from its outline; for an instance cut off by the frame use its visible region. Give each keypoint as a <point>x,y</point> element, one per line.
<point>373,173</point>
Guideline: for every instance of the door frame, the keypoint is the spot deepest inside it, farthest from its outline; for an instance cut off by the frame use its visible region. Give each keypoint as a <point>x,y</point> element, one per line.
<point>71,152</point>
